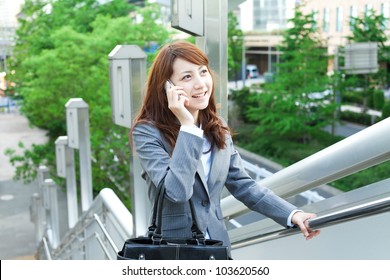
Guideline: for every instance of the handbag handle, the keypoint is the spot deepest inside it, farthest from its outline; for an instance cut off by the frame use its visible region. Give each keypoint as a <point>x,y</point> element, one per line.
<point>153,225</point>
<point>154,229</point>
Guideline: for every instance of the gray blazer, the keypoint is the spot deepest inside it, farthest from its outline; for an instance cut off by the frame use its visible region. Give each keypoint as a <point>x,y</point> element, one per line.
<point>182,173</point>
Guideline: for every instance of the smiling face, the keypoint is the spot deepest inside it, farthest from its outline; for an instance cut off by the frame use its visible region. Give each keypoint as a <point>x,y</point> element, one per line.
<point>196,81</point>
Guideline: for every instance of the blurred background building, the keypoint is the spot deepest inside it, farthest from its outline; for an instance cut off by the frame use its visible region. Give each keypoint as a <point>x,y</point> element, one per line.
<point>264,20</point>
<point>8,22</point>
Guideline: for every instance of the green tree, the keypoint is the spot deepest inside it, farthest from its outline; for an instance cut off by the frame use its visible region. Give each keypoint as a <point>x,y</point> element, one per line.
<point>235,45</point>
<point>76,65</point>
<point>287,109</point>
<point>41,18</point>
<point>370,27</point>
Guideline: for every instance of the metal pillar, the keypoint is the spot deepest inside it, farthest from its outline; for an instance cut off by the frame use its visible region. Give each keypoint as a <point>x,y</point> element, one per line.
<point>53,226</point>
<point>77,123</point>
<point>214,44</point>
<point>37,216</point>
<point>66,169</point>
<point>243,63</point>
<point>43,174</point>
<point>208,20</point>
<point>127,79</point>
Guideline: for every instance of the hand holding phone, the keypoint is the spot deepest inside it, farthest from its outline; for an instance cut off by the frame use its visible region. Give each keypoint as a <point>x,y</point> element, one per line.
<point>168,86</point>
<point>177,102</point>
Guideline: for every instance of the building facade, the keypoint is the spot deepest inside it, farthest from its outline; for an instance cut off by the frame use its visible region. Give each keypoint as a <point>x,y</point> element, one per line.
<point>332,19</point>
<point>262,22</point>
<point>8,22</point>
<point>269,15</point>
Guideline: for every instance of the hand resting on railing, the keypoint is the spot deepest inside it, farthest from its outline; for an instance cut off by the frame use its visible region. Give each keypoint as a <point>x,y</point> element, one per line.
<point>301,219</point>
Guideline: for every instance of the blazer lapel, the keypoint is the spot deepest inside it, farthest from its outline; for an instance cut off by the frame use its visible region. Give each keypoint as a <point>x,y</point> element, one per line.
<point>202,176</point>
<point>220,158</point>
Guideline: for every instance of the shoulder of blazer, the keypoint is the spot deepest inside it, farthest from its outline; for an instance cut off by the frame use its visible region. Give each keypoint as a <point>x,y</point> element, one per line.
<point>145,127</point>
<point>144,131</point>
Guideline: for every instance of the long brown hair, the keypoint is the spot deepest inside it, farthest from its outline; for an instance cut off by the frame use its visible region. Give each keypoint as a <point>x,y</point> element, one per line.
<point>155,109</point>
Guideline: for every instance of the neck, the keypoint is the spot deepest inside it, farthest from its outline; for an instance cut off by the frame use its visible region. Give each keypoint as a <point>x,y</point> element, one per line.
<point>195,114</point>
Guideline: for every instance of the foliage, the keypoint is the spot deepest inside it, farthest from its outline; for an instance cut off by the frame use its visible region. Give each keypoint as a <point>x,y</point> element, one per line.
<point>369,27</point>
<point>287,109</point>
<point>289,148</point>
<point>64,54</point>
<point>352,97</point>
<point>285,152</point>
<point>359,118</point>
<point>386,110</point>
<point>244,99</point>
<point>29,162</point>
<point>363,178</point>
<point>378,99</point>
<point>235,45</point>
<point>281,150</point>
<point>41,18</point>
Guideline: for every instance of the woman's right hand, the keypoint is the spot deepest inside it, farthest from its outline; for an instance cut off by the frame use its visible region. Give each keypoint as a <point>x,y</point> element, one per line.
<point>177,102</point>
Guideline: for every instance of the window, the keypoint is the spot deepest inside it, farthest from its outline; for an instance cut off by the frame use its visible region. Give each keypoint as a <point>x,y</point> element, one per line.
<point>339,19</point>
<point>325,23</point>
<point>315,19</point>
<point>368,9</point>
<point>385,13</point>
<point>353,14</point>
<point>368,12</point>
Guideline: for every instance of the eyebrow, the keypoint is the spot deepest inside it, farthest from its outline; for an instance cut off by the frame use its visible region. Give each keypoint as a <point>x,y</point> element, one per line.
<point>190,71</point>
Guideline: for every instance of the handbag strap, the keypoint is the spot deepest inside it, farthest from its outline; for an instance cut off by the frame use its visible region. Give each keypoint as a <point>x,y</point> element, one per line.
<point>196,232</point>
<point>153,224</point>
<point>155,231</point>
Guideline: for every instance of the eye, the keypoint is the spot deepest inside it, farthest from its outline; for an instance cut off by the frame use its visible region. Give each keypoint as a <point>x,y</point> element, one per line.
<point>204,71</point>
<point>186,77</point>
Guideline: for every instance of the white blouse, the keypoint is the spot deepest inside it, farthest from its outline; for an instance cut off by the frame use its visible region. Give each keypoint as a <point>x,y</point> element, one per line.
<point>206,159</point>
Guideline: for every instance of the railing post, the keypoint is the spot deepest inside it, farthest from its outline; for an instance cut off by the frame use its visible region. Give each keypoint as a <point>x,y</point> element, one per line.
<point>53,228</point>
<point>36,216</point>
<point>66,169</point>
<point>77,123</point>
<point>41,203</point>
<point>127,78</point>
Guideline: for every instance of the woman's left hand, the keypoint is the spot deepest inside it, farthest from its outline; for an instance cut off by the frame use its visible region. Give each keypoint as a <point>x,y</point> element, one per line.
<point>301,219</point>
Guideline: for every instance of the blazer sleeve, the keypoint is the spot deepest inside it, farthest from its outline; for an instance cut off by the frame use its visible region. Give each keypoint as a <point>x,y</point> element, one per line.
<point>253,195</point>
<point>176,169</point>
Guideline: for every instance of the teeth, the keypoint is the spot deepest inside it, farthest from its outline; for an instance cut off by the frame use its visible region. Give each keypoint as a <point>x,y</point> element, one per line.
<point>199,95</point>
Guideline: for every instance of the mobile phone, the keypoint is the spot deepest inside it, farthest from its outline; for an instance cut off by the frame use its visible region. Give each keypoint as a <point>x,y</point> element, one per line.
<point>170,82</point>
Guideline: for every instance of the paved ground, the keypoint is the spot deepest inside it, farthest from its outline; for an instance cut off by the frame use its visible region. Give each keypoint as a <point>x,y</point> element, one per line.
<point>17,238</point>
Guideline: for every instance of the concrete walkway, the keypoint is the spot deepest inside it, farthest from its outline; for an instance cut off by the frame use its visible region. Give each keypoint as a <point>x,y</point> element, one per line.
<point>17,232</point>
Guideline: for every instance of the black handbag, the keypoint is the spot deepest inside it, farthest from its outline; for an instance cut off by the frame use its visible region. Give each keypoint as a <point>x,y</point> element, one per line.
<point>156,247</point>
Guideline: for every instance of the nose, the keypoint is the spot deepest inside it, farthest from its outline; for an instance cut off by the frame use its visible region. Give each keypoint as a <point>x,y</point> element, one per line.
<point>199,82</point>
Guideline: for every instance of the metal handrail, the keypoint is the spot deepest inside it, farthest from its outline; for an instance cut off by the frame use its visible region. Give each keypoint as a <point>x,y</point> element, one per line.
<point>106,234</point>
<point>334,162</point>
<point>356,212</point>
<point>351,213</point>
<point>46,248</point>
<point>104,248</point>
<point>105,202</point>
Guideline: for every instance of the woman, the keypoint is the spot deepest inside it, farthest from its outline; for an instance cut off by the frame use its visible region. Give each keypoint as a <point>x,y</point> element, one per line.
<point>183,145</point>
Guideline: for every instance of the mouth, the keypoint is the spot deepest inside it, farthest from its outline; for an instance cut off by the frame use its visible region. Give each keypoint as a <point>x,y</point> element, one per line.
<point>199,95</point>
